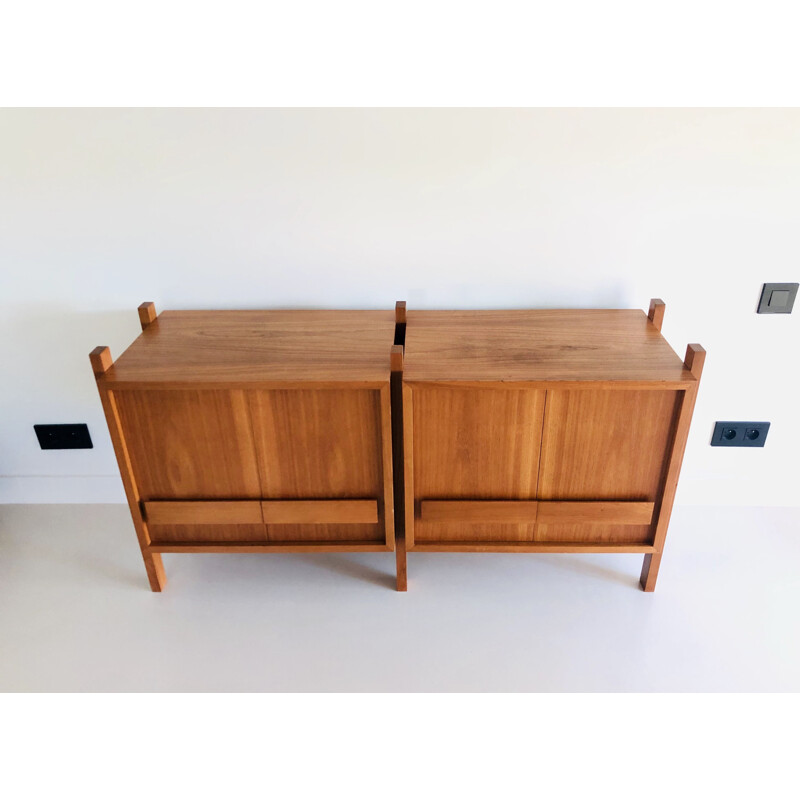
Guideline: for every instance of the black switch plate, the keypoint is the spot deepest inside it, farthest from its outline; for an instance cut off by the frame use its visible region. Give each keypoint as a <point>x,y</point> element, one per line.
<point>740,434</point>
<point>63,437</point>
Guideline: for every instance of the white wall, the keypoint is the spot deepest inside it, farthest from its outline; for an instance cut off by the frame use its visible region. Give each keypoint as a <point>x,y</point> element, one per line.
<point>102,209</point>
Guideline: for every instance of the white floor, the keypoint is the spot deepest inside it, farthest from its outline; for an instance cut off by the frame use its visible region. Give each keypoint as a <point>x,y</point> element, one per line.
<point>76,614</point>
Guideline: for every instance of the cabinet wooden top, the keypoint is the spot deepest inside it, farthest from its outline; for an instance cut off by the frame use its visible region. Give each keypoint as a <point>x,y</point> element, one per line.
<point>539,345</point>
<point>240,347</point>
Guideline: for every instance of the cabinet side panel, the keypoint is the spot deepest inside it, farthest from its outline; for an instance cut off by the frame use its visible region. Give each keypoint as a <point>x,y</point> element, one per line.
<point>319,445</point>
<point>475,444</point>
<point>190,445</point>
<point>604,445</point>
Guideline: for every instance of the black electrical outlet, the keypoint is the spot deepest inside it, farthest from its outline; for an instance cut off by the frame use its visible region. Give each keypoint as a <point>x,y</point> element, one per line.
<point>63,437</point>
<point>740,434</point>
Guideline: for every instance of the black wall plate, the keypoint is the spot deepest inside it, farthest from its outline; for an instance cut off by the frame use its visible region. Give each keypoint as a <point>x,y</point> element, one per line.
<point>63,437</point>
<point>740,434</point>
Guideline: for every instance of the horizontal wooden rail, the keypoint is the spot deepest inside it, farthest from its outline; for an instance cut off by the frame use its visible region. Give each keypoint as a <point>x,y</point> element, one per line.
<point>529,547</point>
<point>203,512</point>
<point>288,547</point>
<point>271,512</point>
<point>319,511</point>
<point>603,511</point>
<point>542,512</point>
<point>475,511</point>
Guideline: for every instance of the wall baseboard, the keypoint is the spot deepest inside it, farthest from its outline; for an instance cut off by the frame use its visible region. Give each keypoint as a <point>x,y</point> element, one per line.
<point>61,489</point>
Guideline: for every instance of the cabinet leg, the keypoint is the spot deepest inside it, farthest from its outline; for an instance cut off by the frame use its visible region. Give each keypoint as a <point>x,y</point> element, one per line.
<point>652,561</point>
<point>400,555</point>
<point>155,571</point>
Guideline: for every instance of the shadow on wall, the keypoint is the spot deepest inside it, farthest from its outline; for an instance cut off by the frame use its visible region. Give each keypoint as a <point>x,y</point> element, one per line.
<point>533,293</point>
<point>60,339</point>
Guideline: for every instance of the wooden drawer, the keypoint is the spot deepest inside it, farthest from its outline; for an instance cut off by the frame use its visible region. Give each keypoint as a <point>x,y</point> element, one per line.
<point>552,521</point>
<point>256,520</point>
<point>217,521</point>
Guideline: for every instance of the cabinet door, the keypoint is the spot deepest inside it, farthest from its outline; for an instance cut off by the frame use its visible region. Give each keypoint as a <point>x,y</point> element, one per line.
<point>321,444</point>
<point>474,444</point>
<point>604,445</point>
<point>191,445</point>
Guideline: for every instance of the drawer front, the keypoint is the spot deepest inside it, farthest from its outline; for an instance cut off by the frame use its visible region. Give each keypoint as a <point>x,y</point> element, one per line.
<point>221,521</point>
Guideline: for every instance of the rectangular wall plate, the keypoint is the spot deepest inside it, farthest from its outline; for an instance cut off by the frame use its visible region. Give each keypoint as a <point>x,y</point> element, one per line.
<point>777,298</point>
<point>63,437</point>
<point>740,434</point>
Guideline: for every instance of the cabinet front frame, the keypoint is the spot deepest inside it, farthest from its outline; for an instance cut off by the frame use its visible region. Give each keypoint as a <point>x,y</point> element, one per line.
<point>660,505</point>
<point>273,510</point>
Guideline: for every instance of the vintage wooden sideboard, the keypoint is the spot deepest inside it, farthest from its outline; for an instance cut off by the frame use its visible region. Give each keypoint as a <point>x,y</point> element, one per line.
<point>253,431</point>
<point>543,431</point>
<point>429,431</point>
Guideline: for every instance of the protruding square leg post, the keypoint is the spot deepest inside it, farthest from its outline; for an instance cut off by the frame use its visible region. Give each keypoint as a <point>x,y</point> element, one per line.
<point>101,361</point>
<point>400,323</point>
<point>656,312</point>
<point>652,561</point>
<point>155,570</point>
<point>147,314</point>
<point>694,361</point>
<point>401,562</point>
<point>397,461</point>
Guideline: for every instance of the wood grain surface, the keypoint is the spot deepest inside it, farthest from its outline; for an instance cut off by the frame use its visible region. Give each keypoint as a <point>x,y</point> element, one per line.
<point>542,512</point>
<point>695,360</point>
<point>190,445</point>
<point>476,511</point>
<point>475,444</point>
<point>199,512</point>
<point>538,345</point>
<point>456,546</point>
<point>397,446</point>
<point>229,347</point>
<point>100,359</point>
<point>608,445</point>
<point>320,445</point>
<point>319,511</point>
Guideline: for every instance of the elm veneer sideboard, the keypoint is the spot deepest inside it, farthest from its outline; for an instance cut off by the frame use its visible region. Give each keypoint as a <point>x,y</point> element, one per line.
<point>254,431</point>
<point>542,431</point>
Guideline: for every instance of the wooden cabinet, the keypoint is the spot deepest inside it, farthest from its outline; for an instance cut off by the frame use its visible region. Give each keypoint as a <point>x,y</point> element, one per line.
<point>296,431</point>
<point>543,431</point>
<point>251,431</point>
